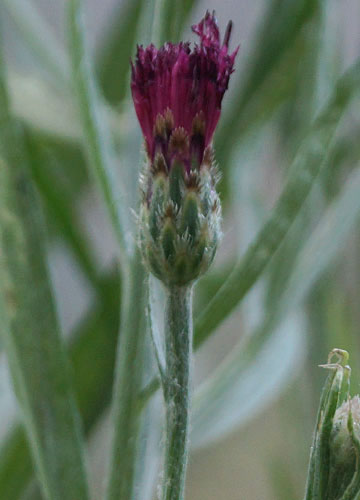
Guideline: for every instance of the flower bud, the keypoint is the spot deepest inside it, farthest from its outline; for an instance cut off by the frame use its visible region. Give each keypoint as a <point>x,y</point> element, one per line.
<point>342,448</point>
<point>180,224</point>
<point>334,470</point>
<point>177,93</point>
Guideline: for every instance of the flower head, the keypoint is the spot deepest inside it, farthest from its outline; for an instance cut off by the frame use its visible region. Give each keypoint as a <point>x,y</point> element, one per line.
<point>178,90</point>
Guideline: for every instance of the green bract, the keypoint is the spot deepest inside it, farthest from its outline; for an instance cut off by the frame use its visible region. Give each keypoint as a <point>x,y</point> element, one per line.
<point>342,448</point>
<point>179,221</point>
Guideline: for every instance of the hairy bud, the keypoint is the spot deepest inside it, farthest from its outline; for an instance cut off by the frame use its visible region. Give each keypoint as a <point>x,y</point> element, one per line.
<point>177,93</point>
<point>180,223</point>
<point>342,448</point>
<point>334,470</point>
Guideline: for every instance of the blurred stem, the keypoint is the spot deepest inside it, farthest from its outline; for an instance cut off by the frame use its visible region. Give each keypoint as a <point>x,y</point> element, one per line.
<point>178,340</point>
<point>128,376</point>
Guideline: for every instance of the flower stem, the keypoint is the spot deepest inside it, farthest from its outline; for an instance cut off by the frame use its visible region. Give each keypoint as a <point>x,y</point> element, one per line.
<point>178,339</point>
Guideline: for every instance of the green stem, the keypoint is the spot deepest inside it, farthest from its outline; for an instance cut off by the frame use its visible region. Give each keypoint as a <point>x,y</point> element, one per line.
<point>128,376</point>
<point>178,340</point>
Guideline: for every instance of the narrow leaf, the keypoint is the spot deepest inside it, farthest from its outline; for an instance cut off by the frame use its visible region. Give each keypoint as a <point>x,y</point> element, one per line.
<point>127,384</point>
<point>228,397</point>
<point>35,103</point>
<point>169,17</point>
<point>246,382</point>
<point>116,49</point>
<point>98,140</point>
<point>38,37</point>
<point>29,327</point>
<point>92,343</point>
<point>60,206</point>
<point>303,173</point>
<point>282,24</point>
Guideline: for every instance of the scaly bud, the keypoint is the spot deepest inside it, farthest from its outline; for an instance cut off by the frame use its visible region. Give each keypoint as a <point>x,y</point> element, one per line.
<point>342,449</point>
<point>334,470</point>
<point>177,93</point>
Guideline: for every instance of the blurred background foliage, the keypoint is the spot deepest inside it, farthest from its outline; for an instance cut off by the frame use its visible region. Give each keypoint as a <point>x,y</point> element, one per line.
<point>288,148</point>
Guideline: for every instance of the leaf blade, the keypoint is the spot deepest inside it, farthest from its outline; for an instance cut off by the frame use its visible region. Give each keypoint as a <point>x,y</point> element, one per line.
<point>116,50</point>
<point>234,390</point>
<point>95,127</point>
<point>93,342</point>
<point>302,176</point>
<point>29,327</point>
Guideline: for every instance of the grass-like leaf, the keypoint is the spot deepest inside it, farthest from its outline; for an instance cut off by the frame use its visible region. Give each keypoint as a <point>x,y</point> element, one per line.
<point>39,39</point>
<point>246,382</point>
<point>245,379</point>
<point>127,376</point>
<point>282,24</point>
<point>98,140</point>
<point>93,343</point>
<point>169,18</point>
<point>127,383</point>
<point>116,49</point>
<point>29,329</point>
<point>36,104</point>
<point>59,204</point>
<point>303,173</point>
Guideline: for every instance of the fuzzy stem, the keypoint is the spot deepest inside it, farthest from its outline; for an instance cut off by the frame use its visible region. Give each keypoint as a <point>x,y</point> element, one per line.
<point>178,339</point>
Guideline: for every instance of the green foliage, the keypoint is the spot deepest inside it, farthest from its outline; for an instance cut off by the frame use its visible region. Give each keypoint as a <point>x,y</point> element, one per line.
<point>303,173</point>
<point>118,45</point>
<point>98,141</point>
<point>64,134</point>
<point>29,329</point>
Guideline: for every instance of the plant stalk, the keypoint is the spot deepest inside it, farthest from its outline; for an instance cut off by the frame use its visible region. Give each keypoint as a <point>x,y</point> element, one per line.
<point>178,347</point>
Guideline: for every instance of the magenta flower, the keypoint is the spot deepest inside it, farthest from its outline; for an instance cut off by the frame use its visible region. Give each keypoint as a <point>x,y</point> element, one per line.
<point>177,93</point>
